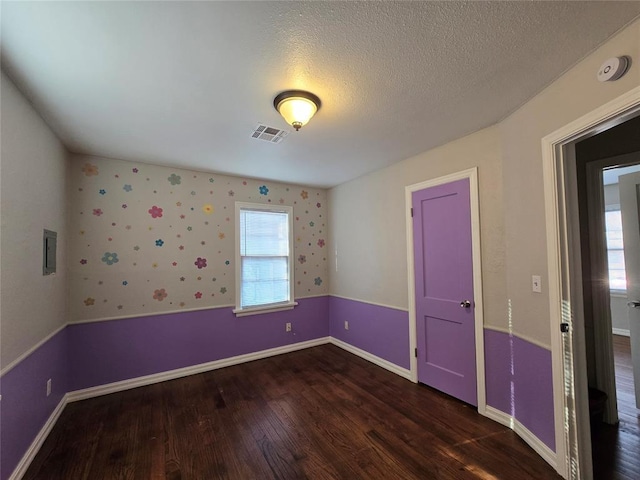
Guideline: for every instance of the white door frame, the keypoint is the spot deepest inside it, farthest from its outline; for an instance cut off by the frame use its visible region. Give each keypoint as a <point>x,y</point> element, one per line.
<point>567,367</point>
<point>472,175</point>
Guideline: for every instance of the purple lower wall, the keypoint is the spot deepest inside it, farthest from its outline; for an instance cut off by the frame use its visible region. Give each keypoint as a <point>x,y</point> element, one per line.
<point>111,351</point>
<point>518,373</point>
<point>381,331</point>
<point>25,408</point>
<point>519,382</point>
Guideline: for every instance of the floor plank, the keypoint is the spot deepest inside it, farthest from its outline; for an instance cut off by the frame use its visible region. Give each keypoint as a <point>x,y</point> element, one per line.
<point>320,413</point>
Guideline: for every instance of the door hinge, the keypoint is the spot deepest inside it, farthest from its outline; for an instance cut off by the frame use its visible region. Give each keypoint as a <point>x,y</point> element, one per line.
<point>416,352</point>
<point>411,212</point>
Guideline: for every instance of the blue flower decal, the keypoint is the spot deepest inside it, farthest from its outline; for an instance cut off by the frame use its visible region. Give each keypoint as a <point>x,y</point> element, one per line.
<point>227,262</point>
<point>125,283</point>
<point>317,281</point>
<point>102,191</point>
<point>211,180</point>
<point>263,190</point>
<point>174,179</point>
<point>110,258</point>
<point>159,242</point>
<point>127,188</point>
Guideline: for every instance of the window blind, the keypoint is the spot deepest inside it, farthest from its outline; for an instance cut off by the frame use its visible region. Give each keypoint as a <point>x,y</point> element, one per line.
<point>264,253</point>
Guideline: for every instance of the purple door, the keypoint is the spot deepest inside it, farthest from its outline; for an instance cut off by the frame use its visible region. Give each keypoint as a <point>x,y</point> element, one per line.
<point>444,289</point>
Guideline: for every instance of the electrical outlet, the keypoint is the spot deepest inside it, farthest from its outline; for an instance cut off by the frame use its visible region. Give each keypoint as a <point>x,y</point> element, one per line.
<point>346,324</point>
<point>48,387</point>
<point>287,327</point>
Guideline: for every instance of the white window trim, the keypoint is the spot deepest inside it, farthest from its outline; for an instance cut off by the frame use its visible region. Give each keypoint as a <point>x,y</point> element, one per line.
<point>272,307</point>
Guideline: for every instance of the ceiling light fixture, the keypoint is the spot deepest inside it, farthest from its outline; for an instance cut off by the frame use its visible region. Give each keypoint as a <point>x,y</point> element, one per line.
<point>296,106</point>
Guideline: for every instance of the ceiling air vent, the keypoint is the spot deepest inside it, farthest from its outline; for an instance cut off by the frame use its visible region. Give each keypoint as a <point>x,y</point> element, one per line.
<point>269,134</point>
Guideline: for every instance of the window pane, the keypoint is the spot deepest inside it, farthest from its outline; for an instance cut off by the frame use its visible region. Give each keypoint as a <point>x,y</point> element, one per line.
<point>264,233</point>
<point>613,227</point>
<point>265,280</point>
<point>615,252</point>
<point>616,259</point>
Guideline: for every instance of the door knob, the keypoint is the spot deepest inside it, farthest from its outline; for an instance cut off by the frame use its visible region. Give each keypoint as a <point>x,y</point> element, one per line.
<point>634,304</point>
<point>465,304</point>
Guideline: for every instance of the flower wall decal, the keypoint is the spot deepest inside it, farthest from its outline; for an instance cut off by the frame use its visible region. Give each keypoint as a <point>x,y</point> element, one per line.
<point>174,179</point>
<point>119,237</point>
<point>207,208</point>
<point>89,169</point>
<point>110,258</point>
<point>155,212</point>
<point>160,294</point>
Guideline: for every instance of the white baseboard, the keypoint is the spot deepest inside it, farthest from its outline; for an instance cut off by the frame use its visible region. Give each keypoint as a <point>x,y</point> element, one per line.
<point>186,371</point>
<point>381,362</point>
<point>621,331</point>
<point>523,432</point>
<point>34,448</point>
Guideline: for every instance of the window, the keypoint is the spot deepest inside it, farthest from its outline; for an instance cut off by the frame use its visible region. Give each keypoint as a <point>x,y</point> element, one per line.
<point>264,267</point>
<point>615,250</point>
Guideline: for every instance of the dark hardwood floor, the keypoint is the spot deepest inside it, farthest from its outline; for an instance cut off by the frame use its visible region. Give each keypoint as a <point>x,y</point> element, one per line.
<point>317,413</point>
<point>616,448</point>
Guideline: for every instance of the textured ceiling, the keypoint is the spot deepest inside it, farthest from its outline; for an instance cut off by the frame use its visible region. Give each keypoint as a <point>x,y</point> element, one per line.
<point>184,84</point>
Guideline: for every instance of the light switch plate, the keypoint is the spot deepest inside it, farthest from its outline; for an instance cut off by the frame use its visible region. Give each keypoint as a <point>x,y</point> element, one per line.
<point>536,283</point>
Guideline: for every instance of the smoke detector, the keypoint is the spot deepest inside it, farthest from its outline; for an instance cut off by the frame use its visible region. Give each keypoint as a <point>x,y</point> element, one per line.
<point>612,69</point>
<point>269,134</point>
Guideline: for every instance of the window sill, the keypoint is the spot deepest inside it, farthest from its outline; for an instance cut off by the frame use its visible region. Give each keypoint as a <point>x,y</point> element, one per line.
<point>279,307</point>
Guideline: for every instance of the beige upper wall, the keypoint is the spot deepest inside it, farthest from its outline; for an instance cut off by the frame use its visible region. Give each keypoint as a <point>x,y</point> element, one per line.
<point>368,231</point>
<point>575,94</point>
<point>367,214</point>
<point>33,179</point>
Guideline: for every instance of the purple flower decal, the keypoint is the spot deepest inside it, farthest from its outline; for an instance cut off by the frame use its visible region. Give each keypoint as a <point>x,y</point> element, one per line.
<point>321,243</point>
<point>200,262</point>
<point>302,258</point>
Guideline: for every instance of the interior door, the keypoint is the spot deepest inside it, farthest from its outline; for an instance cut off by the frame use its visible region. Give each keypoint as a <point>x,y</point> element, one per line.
<point>629,201</point>
<point>444,289</point>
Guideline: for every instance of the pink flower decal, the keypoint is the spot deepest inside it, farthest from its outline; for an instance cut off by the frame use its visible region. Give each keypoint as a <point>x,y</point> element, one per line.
<point>198,295</point>
<point>200,262</point>
<point>321,243</point>
<point>160,294</point>
<point>155,212</point>
<point>83,261</point>
<point>97,212</point>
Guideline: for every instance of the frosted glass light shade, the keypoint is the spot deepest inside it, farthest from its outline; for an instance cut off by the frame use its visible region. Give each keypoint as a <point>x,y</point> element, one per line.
<point>297,107</point>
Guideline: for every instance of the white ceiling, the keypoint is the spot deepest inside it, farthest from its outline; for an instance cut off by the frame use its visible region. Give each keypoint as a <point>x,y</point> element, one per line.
<point>184,84</point>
